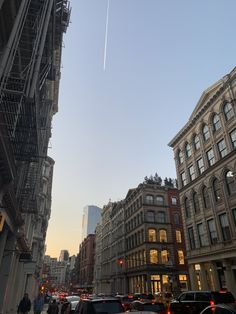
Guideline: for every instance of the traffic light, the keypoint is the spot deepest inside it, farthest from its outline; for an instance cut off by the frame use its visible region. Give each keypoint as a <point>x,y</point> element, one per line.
<point>120,261</point>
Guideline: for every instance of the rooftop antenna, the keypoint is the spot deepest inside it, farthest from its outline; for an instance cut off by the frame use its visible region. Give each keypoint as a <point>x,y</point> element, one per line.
<point>106,36</point>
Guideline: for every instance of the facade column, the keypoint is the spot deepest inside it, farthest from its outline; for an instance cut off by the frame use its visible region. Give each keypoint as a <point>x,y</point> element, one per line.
<point>214,276</point>
<point>149,287</point>
<point>203,279</point>
<point>229,277</point>
<point>6,271</point>
<point>192,276</point>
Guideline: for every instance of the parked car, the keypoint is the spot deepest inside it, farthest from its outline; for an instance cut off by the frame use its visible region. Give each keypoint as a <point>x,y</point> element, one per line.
<point>193,302</point>
<point>73,305</point>
<point>100,305</point>
<point>220,309</point>
<point>143,296</point>
<point>164,297</point>
<point>156,307</point>
<point>126,300</point>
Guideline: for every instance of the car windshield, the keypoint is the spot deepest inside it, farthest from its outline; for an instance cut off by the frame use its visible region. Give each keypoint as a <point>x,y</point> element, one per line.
<point>108,307</point>
<point>223,297</point>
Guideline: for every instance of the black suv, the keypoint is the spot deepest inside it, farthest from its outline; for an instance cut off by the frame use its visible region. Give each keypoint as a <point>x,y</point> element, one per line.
<point>193,302</point>
<point>100,305</point>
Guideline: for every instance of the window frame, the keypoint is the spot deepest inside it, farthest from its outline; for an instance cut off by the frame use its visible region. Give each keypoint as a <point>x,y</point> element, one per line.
<point>230,112</point>
<point>222,148</point>
<point>205,132</point>
<point>230,184</point>
<point>216,123</point>
<point>233,138</point>
<point>210,157</point>
<point>188,151</point>
<point>212,231</point>
<point>196,143</point>
<point>225,229</point>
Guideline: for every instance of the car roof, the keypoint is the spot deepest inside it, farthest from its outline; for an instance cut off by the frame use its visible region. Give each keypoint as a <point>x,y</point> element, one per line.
<point>102,299</point>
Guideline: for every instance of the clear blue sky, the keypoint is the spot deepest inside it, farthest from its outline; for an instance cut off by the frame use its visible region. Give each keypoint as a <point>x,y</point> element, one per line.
<point>113,126</point>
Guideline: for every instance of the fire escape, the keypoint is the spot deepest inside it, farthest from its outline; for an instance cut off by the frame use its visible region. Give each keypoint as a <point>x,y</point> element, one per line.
<point>29,85</point>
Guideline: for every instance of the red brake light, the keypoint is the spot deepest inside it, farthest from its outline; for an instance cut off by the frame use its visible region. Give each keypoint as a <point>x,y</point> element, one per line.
<point>212,302</point>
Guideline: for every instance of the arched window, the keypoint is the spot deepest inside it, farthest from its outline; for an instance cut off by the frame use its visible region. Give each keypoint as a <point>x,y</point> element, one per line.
<point>205,132</point>
<point>205,197</point>
<point>216,122</point>
<point>216,190</point>
<point>196,203</point>
<point>228,111</point>
<point>150,216</point>
<point>152,235</point>
<point>180,157</point>
<point>163,235</point>
<point>153,256</point>
<point>149,199</point>
<point>230,183</point>
<point>187,207</point>
<point>159,200</point>
<point>164,256</point>
<point>196,142</point>
<point>188,151</point>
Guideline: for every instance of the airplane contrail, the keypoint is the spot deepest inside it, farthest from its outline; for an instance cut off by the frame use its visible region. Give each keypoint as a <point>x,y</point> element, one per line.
<point>106,36</point>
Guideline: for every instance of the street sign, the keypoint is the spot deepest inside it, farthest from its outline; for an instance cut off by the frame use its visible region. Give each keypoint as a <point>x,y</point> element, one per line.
<point>2,220</point>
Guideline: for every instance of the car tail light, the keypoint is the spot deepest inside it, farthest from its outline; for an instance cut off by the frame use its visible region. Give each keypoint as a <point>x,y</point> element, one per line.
<point>212,302</point>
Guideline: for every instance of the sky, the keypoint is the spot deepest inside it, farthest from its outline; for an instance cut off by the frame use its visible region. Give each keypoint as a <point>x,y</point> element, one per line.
<point>113,127</point>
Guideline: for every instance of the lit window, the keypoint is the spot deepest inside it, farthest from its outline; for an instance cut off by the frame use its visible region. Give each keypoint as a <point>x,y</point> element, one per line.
<point>210,157</point>
<point>216,122</point>
<point>164,256</point>
<point>233,138</point>
<point>183,178</point>
<point>228,111</point>
<point>225,227</point>
<point>205,132</point>
<point>153,256</point>
<point>188,150</point>
<point>216,190</point>
<point>174,200</point>
<point>196,142</point>
<point>200,165</point>
<point>163,235</point>
<point>152,235</point>
<point>181,257</point>
<point>222,148</point>
<point>230,183</point>
<point>212,231</point>
<point>191,173</point>
<point>178,236</point>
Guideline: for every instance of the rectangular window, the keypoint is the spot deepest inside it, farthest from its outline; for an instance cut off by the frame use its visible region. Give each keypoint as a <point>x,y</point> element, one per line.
<point>183,178</point>
<point>222,148</point>
<point>181,257</point>
<point>178,236</point>
<point>191,238</point>
<point>233,138</point>
<point>174,200</point>
<point>191,173</point>
<point>201,234</point>
<point>225,227</point>
<point>200,165</point>
<point>210,157</point>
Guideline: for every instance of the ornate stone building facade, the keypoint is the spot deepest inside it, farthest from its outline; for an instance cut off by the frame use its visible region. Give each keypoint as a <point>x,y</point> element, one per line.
<point>205,156</point>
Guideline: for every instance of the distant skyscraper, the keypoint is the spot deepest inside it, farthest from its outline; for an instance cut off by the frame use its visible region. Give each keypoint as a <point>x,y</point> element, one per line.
<point>91,216</point>
<point>64,256</point>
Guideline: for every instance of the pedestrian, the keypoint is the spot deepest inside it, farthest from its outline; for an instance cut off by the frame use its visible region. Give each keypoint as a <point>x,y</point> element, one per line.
<point>25,305</point>
<point>53,308</point>
<point>38,304</point>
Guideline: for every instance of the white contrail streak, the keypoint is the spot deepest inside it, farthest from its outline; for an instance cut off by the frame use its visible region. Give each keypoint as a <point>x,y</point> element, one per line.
<point>106,36</point>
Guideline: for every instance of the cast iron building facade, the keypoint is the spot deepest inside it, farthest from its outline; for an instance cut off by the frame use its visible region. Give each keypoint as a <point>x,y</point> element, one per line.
<point>205,156</point>
<point>30,57</point>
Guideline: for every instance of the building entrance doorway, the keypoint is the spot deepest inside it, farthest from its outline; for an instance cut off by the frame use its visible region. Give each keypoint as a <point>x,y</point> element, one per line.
<point>155,283</point>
